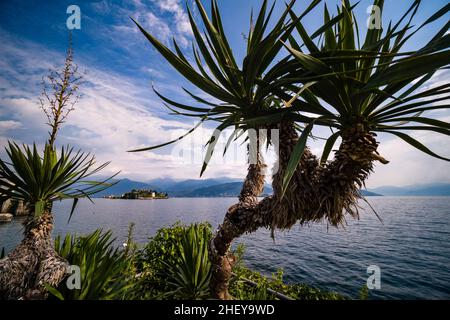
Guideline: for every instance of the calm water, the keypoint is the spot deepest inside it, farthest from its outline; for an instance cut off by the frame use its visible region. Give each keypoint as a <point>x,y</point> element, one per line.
<point>412,247</point>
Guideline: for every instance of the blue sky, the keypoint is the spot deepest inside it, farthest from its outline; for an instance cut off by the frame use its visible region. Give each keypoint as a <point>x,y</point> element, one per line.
<point>119,111</point>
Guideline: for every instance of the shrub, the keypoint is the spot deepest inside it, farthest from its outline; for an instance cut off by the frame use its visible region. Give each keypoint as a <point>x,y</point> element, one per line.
<point>189,276</point>
<point>175,264</point>
<point>106,271</point>
<point>242,290</point>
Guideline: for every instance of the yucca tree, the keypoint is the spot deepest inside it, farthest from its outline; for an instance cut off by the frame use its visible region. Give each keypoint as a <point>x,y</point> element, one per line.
<point>334,84</point>
<point>39,180</point>
<point>356,91</point>
<point>243,94</point>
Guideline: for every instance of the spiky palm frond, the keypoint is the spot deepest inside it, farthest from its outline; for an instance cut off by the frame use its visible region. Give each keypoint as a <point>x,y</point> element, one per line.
<point>189,276</point>
<point>104,269</point>
<point>40,180</point>
<point>241,89</point>
<point>374,86</point>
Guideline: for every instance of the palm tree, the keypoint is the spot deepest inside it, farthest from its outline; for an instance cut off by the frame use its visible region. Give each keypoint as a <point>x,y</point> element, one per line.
<point>356,91</point>
<point>242,94</point>
<point>39,180</point>
<point>334,83</point>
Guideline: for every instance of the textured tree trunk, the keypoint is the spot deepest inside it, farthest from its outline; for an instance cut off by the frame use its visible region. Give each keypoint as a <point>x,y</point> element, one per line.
<point>34,262</point>
<point>316,192</point>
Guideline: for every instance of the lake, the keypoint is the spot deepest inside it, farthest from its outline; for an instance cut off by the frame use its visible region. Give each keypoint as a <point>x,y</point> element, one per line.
<point>411,247</point>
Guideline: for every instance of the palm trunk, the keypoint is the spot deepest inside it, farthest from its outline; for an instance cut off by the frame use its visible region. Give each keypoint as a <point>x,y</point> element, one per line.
<point>240,218</point>
<point>34,262</point>
<point>339,182</point>
<point>316,192</point>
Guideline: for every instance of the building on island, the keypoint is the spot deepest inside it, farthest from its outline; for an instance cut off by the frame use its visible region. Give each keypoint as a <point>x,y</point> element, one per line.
<point>141,194</point>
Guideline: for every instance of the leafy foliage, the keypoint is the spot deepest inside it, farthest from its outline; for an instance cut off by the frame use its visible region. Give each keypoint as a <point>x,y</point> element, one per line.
<point>106,271</point>
<point>243,291</point>
<point>160,258</point>
<point>171,250</point>
<point>40,180</point>
<point>189,277</point>
<point>174,264</point>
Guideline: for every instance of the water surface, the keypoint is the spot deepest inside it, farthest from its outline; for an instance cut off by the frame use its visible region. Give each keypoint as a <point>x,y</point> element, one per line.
<point>411,247</point>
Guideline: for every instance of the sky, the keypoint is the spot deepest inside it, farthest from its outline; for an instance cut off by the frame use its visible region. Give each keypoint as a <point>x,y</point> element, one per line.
<point>118,110</point>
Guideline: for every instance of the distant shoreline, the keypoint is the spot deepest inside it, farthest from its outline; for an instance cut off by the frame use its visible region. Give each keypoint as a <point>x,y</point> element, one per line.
<point>236,196</point>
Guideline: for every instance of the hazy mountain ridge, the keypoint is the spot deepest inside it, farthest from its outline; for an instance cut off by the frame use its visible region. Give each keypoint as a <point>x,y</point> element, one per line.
<point>431,189</point>
<point>231,189</point>
<point>226,187</point>
<point>218,187</point>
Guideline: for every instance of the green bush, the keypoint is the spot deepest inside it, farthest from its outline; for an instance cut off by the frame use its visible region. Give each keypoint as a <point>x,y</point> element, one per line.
<point>174,263</point>
<point>189,276</point>
<point>168,268</point>
<point>106,271</point>
<point>242,290</point>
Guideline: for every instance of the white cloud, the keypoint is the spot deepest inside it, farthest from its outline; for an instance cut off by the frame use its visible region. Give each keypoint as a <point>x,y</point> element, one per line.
<point>6,125</point>
<point>410,166</point>
<point>170,20</point>
<point>114,115</point>
<point>181,18</point>
<point>155,73</point>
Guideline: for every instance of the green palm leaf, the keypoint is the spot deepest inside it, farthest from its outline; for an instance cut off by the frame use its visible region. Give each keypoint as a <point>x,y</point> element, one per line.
<point>40,180</point>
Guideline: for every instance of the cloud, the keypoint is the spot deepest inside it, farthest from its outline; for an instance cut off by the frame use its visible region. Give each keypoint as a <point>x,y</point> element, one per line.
<point>166,19</point>
<point>181,18</point>
<point>115,114</point>
<point>410,166</point>
<point>6,125</point>
<point>155,73</point>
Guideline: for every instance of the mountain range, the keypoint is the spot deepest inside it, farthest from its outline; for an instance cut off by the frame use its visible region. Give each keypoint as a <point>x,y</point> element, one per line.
<point>218,187</point>
<point>431,189</point>
<point>227,187</point>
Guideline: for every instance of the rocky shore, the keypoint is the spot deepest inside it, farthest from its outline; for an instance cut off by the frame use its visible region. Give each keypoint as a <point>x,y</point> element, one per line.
<point>11,208</point>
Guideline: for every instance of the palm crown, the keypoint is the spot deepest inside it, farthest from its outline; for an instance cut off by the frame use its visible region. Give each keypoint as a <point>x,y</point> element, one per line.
<point>39,181</point>
<point>242,91</point>
<point>374,85</point>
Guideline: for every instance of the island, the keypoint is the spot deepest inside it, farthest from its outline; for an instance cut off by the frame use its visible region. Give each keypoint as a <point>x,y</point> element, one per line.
<point>140,194</point>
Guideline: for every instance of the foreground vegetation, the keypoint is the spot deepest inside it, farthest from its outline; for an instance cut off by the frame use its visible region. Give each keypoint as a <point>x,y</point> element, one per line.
<point>173,264</point>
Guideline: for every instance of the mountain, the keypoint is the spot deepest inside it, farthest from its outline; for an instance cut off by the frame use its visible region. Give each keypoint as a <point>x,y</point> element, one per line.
<point>182,188</point>
<point>367,193</point>
<point>432,189</point>
<point>125,185</point>
<point>163,183</point>
<point>231,189</point>
<point>218,187</point>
